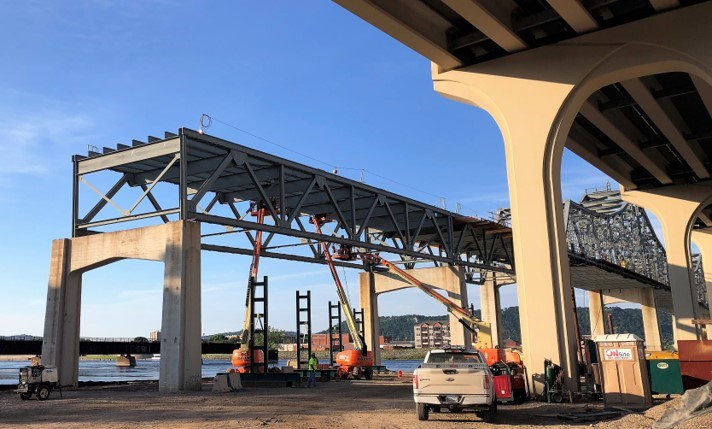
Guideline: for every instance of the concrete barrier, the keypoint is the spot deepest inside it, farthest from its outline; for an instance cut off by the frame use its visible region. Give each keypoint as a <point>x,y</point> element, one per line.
<point>227,382</point>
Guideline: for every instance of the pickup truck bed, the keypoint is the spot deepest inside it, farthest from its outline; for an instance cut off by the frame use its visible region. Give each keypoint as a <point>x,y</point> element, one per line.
<point>454,380</point>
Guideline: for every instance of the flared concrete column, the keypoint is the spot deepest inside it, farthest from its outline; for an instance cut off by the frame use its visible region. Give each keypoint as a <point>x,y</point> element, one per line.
<point>596,315</point>
<point>533,174</point>
<point>534,96</point>
<point>180,328</point>
<point>368,298</point>
<point>651,327</point>
<point>703,239</point>
<point>677,207</point>
<point>489,303</point>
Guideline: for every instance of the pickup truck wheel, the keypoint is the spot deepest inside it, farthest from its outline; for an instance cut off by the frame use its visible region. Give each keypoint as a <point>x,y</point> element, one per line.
<point>25,396</point>
<point>422,411</point>
<point>43,392</point>
<point>488,416</point>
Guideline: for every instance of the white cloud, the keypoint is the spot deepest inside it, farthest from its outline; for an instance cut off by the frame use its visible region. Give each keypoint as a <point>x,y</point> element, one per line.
<point>31,142</point>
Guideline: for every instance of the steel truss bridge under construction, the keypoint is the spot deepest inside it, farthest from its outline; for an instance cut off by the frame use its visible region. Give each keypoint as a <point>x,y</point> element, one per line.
<point>219,184</point>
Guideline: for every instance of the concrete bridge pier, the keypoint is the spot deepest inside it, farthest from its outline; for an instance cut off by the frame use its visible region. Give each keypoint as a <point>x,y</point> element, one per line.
<point>596,315</point>
<point>535,96</point>
<point>677,208</point>
<point>703,239</point>
<point>177,244</point>
<point>490,306</point>
<point>643,296</point>
<point>528,112</point>
<point>449,279</point>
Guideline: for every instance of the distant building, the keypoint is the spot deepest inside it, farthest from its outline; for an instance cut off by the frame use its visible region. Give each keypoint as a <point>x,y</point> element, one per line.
<point>321,341</point>
<point>432,335</point>
<point>154,336</point>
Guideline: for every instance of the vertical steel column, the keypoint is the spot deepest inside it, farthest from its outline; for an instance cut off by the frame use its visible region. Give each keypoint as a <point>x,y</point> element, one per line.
<point>334,325</point>
<point>262,319</point>
<point>301,300</point>
<point>358,317</point>
<point>183,183</point>
<point>75,195</point>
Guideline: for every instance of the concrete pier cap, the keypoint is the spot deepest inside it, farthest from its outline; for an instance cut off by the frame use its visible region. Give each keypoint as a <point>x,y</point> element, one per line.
<point>177,245</point>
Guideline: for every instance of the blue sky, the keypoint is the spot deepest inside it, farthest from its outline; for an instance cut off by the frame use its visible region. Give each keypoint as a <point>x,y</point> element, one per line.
<point>308,75</point>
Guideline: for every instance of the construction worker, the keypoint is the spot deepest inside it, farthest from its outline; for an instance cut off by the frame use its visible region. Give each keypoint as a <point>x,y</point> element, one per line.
<point>313,365</point>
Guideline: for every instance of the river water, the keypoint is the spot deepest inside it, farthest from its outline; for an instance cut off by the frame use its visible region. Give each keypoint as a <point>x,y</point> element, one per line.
<point>106,370</point>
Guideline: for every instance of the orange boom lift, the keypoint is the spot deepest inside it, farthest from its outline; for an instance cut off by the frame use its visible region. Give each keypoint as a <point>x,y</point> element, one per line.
<point>352,363</point>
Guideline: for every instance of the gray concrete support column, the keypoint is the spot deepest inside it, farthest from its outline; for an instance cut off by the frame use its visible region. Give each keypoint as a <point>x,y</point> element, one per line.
<point>459,335</point>
<point>651,327</point>
<point>596,315</point>
<point>60,344</point>
<point>178,245</point>
<point>180,328</point>
<point>490,307</point>
<point>369,303</point>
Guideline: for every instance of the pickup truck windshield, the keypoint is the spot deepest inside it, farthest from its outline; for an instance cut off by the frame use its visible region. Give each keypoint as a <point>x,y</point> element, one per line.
<point>454,358</point>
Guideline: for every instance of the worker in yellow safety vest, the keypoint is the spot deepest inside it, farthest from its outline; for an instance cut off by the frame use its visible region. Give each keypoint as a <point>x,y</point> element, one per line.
<point>313,364</point>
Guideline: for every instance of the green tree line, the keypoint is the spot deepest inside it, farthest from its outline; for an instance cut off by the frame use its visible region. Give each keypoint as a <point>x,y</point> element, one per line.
<point>401,328</point>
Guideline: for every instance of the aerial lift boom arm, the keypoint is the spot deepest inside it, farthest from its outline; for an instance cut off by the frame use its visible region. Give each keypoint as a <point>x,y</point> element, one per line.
<point>359,343</point>
<point>451,306</point>
<point>254,268</point>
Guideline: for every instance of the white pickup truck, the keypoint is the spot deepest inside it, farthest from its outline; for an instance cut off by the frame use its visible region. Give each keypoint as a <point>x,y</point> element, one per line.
<point>456,380</point>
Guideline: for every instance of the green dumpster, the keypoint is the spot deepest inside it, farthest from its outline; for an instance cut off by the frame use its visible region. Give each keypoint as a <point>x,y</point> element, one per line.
<point>665,376</point>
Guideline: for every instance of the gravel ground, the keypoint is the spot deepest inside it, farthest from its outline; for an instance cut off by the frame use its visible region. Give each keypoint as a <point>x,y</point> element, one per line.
<point>385,402</point>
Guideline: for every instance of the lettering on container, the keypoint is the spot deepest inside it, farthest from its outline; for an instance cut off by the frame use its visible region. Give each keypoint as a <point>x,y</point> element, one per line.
<point>618,354</point>
<point>662,365</point>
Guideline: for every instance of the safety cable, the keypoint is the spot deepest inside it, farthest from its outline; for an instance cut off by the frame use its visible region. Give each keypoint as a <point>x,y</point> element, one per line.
<point>206,121</point>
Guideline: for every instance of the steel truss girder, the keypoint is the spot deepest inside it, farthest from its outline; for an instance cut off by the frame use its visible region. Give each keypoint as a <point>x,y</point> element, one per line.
<point>368,217</point>
<point>622,239</point>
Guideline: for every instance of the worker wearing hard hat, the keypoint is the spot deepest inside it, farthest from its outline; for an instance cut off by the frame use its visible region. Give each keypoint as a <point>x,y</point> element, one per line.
<point>313,364</point>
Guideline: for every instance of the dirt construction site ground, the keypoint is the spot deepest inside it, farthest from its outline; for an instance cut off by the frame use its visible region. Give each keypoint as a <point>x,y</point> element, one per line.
<point>385,402</point>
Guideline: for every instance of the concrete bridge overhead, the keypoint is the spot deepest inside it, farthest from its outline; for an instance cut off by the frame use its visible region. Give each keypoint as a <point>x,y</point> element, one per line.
<point>601,79</point>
